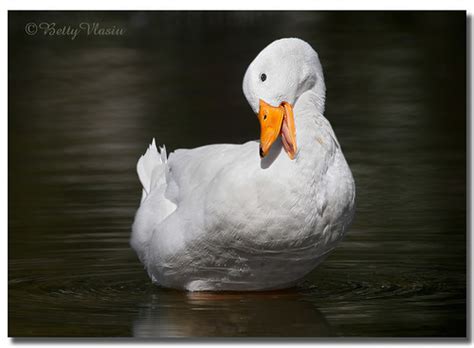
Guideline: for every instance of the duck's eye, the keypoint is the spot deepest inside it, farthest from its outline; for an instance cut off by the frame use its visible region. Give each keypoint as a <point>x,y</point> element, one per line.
<point>263,77</point>
<point>264,117</point>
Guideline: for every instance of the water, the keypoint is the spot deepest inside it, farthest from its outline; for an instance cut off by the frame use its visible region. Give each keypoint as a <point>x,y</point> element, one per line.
<point>82,111</point>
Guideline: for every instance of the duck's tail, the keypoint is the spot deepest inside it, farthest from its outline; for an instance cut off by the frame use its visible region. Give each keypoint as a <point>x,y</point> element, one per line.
<point>151,168</point>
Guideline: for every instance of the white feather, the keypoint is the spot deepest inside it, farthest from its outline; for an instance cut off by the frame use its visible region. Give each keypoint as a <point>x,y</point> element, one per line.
<point>147,167</point>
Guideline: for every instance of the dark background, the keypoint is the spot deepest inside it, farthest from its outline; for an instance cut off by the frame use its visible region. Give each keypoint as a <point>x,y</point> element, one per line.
<point>82,111</point>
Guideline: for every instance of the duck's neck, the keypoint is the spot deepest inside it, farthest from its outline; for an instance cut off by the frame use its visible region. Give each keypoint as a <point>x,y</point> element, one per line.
<point>315,97</point>
<point>308,109</point>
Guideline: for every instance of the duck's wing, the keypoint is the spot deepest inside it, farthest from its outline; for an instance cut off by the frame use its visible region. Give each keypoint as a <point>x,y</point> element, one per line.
<point>190,170</point>
<point>194,178</point>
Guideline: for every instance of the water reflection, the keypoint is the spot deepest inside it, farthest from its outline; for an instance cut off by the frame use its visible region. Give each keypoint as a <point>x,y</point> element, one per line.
<point>175,314</point>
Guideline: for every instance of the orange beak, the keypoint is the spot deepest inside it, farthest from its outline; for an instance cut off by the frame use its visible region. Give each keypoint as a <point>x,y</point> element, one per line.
<point>275,121</point>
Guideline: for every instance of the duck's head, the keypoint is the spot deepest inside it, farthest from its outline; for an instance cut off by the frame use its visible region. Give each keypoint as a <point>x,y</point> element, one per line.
<point>280,74</point>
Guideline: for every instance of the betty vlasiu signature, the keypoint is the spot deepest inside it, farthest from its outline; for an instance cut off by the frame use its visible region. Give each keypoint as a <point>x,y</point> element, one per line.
<point>72,32</point>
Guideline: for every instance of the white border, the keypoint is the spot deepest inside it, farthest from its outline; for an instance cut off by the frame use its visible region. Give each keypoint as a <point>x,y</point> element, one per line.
<point>239,5</point>
<point>196,5</point>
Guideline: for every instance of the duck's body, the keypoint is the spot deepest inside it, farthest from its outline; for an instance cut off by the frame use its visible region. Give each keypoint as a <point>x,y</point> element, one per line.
<point>219,217</point>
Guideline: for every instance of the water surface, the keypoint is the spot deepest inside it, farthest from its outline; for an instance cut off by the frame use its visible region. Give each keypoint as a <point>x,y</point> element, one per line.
<point>82,111</point>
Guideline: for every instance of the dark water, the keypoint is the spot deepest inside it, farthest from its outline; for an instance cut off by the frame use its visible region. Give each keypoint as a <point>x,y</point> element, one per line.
<point>82,111</point>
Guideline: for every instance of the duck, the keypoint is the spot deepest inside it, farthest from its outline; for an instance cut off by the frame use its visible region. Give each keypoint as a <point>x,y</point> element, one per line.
<point>256,216</point>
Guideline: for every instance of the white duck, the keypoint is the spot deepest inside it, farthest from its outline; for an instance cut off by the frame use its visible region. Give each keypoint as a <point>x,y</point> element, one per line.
<point>244,217</point>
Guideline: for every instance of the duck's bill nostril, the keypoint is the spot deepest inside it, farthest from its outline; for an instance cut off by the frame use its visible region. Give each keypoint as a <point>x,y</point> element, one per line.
<point>270,118</point>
